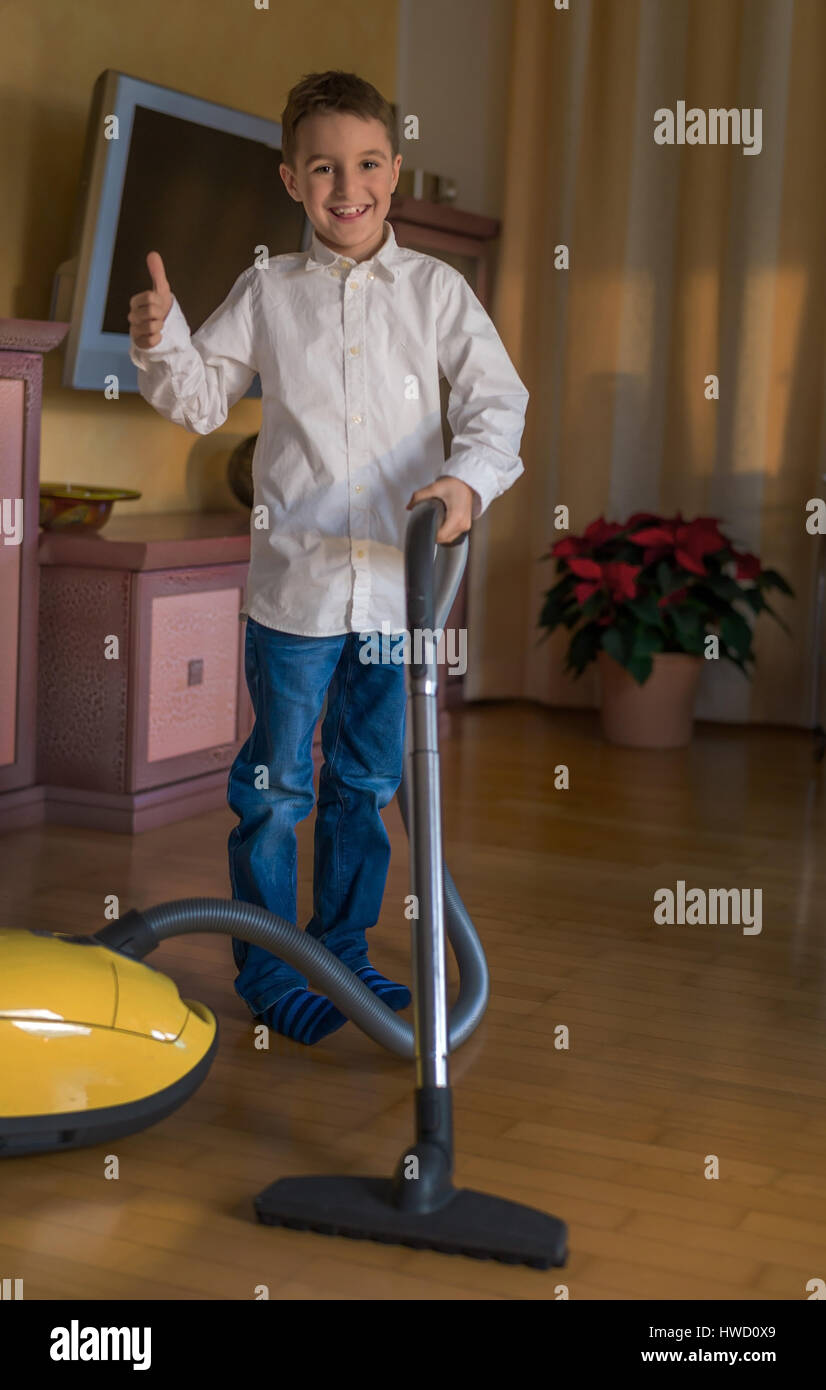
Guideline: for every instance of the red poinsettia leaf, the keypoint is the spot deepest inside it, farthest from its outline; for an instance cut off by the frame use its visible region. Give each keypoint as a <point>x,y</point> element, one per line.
<point>655,553</point>
<point>653,535</point>
<point>700,539</point>
<point>676,596</point>
<point>748,565</point>
<point>583,592</point>
<point>601,530</point>
<point>568,545</point>
<point>586,569</point>
<point>689,562</point>
<point>622,580</point>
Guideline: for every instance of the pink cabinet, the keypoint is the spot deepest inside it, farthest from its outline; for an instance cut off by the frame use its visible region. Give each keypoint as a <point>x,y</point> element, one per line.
<point>22,345</point>
<point>142,702</point>
<point>13,556</point>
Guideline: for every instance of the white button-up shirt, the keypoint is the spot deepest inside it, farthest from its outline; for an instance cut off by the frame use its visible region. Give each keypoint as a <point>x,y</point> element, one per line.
<point>349,357</point>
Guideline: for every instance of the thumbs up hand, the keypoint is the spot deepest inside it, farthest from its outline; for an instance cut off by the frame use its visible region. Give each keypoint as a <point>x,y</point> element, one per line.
<point>148,309</point>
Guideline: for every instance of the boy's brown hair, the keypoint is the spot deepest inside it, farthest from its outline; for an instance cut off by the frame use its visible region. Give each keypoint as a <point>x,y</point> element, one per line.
<point>334,91</point>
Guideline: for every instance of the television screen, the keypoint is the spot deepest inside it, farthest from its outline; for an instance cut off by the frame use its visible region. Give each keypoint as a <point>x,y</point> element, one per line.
<point>204,199</point>
<point>168,172</point>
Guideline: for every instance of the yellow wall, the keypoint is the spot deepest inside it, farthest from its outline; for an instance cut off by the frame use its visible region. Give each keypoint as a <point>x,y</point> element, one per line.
<point>223,50</point>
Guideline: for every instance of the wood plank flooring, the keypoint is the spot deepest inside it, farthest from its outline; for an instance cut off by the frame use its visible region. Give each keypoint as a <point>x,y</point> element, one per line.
<point>683,1041</point>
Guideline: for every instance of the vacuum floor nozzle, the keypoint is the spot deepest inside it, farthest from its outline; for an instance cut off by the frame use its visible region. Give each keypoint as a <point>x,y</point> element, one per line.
<point>468,1223</point>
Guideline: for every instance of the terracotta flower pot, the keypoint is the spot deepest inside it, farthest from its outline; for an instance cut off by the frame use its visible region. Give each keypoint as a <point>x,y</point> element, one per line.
<point>657,714</point>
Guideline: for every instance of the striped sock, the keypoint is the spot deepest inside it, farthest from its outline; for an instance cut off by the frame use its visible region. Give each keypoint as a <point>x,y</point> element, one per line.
<point>395,996</point>
<point>303,1016</point>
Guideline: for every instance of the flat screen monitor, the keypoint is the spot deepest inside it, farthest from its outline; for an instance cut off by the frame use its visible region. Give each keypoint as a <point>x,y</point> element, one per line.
<point>164,171</point>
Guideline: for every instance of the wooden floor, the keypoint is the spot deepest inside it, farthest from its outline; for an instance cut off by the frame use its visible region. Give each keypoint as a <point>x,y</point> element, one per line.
<point>685,1041</point>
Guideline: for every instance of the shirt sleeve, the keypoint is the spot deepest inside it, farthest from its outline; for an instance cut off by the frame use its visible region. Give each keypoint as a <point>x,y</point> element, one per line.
<point>487,404</point>
<point>195,380</point>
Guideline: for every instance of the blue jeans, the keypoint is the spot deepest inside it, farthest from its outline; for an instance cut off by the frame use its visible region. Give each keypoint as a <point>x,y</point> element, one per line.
<point>363,745</point>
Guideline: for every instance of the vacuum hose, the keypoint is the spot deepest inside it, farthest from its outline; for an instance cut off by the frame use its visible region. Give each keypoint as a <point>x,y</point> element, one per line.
<point>137,933</point>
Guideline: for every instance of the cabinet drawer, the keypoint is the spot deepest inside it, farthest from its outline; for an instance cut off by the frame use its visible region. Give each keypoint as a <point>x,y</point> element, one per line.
<point>193,670</point>
<point>190,702</point>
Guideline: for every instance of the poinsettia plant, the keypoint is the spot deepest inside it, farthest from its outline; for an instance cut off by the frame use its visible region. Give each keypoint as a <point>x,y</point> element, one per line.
<point>656,584</point>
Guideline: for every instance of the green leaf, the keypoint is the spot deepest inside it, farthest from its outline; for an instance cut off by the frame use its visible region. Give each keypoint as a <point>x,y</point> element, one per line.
<point>593,606</point>
<point>689,628</point>
<point>647,640</point>
<point>556,601</point>
<point>755,600</point>
<point>710,601</point>
<point>572,616</point>
<point>646,609</point>
<point>723,586</point>
<point>767,608</point>
<point>770,579</point>
<point>612,642</point>
<point>583,648</point>
<point>736,633</point>
<point>640,668</point>
<point>667,580</point>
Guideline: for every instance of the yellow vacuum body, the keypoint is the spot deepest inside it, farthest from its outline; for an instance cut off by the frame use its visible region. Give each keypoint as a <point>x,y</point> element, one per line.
<point>93,1045</point>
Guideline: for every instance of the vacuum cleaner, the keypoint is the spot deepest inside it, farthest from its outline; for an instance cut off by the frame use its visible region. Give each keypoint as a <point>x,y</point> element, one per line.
<point>95,1044</point>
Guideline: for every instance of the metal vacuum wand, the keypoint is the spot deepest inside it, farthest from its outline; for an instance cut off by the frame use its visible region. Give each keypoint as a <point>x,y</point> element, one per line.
<point>419,1205</point>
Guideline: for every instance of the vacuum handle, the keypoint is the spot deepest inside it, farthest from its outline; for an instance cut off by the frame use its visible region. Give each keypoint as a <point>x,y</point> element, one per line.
<point>420,545</point>
<point>424,824</point>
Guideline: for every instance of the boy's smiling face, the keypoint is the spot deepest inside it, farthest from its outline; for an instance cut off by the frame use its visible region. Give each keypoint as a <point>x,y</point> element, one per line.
<point>344,162</point>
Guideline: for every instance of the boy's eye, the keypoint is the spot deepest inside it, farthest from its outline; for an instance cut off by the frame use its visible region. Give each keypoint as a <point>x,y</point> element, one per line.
<point>319,169</point>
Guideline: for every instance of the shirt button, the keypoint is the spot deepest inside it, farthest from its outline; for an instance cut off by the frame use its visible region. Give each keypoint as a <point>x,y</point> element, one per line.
<point>370,275</point>
<point>356,419</point>
<point>360,553</point>
<point>358,487</point>
<point>354,284</point>
<point>355,351</point>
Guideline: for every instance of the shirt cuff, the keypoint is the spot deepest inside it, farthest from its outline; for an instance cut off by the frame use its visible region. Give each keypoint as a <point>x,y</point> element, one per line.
<point>174,335</point>
<point>482,480</point>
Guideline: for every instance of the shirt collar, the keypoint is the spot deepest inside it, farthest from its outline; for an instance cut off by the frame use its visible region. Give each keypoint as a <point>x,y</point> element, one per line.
<point>382,262</point>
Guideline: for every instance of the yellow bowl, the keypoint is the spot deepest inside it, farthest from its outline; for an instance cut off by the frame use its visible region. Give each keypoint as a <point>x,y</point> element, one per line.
<point>74,507</point>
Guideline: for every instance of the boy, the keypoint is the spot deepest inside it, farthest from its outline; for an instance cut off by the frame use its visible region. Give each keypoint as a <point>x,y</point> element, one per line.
<point>349,339</point>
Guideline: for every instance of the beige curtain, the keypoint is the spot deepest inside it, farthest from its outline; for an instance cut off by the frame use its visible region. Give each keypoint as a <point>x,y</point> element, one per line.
<point>685,261</point>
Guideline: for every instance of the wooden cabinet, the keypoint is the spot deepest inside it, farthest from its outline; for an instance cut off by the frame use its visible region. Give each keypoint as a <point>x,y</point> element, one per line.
<point>467,242</point>
<point>23,343</point>
<point>142,701</point>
